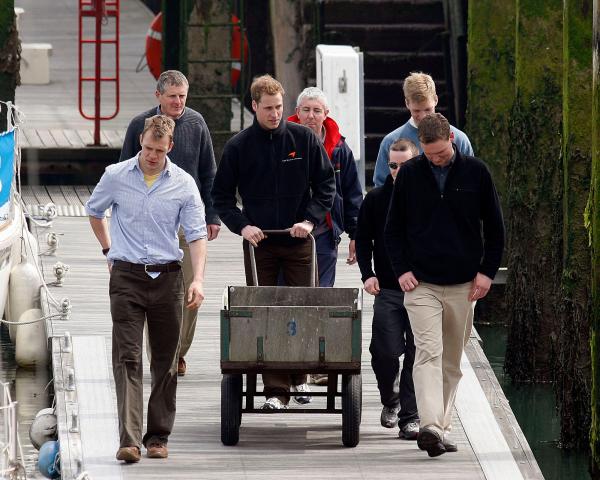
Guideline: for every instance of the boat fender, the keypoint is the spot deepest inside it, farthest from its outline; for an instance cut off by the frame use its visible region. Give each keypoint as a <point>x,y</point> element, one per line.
<point>31,346</point>
<point>43,428</point>
<point>49,459</point>
<point>23,292</point>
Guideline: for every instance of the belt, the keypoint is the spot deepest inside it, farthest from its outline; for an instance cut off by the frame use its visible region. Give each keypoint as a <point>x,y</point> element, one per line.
<point>142,267</point>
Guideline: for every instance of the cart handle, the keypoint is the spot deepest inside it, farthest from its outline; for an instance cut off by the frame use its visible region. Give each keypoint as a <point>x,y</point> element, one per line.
<point>313,263</point>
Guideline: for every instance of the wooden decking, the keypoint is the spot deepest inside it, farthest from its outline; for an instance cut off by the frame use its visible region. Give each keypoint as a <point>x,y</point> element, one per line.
<point>51,111</point>
<point>273,446</point>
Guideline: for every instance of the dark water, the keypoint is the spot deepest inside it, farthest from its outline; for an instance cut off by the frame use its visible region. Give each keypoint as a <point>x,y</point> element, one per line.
<point>29,388</point>
<point>535,409</point>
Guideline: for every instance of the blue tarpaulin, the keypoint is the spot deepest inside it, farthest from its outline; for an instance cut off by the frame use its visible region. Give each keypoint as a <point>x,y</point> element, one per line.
<point>7,160</point>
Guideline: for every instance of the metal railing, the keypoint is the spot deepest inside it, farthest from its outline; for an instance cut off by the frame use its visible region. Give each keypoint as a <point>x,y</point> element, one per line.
<point>11,458</point>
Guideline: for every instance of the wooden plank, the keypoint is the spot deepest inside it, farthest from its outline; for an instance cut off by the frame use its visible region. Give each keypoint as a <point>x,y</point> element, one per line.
<point>55,193</point>
<point>73,138</point>
<point>47,138</point>
<point>28,196</point>
<point>60,138</point>
<point>97,423</point>
<point>87,137</point>
<point>113,138</point>
<point>481,428</point>
<point>41,194</point>
<point>71,195</point>
<point>33,138</point>
<point>82,193</point>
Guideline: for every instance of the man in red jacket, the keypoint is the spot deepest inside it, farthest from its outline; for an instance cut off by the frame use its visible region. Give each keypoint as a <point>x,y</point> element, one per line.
<point>312,112</point>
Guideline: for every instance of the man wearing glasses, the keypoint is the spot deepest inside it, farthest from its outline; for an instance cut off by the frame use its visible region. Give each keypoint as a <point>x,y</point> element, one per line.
<point>391,333</point>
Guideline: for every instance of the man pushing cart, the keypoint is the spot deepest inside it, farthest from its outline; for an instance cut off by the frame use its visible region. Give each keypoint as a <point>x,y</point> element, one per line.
<point>285,181</point>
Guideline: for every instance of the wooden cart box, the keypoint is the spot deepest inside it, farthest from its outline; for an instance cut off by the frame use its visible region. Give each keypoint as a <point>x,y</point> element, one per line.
<point>281,328</point>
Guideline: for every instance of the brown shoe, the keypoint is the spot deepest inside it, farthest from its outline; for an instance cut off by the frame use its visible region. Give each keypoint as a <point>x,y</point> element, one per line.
<point>181,367</point>
<point>157,450</point>
<point>129,454</point>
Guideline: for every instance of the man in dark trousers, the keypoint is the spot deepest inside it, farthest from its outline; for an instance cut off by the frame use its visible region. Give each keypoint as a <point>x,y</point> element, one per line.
<point>391,334</point>
<point>444,236</point>
<point>192,151</point>
<point>285,181</point>
<point>150,199</point>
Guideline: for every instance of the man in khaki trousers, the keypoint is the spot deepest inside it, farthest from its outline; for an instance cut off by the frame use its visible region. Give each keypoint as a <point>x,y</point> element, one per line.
<point>444,235</point>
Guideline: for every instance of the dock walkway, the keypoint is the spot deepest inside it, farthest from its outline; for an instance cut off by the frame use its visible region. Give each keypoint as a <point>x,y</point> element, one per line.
<point>491,444</point>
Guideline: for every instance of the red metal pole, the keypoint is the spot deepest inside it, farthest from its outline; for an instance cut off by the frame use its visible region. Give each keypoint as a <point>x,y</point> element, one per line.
<point>97,81</point>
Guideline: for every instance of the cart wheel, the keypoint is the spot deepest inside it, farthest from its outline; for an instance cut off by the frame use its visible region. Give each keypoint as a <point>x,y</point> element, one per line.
<point>231,409</point>
<point>351,409</point>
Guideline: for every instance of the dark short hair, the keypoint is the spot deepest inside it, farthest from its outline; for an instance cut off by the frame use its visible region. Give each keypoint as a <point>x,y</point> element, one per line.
<point>403,145</point>
<point>434,127</point>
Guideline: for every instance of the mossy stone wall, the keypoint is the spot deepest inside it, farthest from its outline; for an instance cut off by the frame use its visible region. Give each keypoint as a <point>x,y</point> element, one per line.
<point>534,191</point>
<point>572,361</point>
<point>593,223</point>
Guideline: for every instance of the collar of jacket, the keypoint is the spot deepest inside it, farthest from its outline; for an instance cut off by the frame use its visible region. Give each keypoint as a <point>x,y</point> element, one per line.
<point>269,133</point>
<point>332,133</point>
<point>424,162</point>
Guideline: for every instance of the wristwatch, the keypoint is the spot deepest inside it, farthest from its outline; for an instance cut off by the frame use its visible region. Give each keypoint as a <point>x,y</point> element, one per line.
<point>105,251</point>
<point>309,222</point>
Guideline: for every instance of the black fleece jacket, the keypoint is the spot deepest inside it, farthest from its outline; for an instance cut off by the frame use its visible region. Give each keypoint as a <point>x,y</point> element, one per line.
<point>447,237</point>
<point>283,176</point>
<point>370,245</point>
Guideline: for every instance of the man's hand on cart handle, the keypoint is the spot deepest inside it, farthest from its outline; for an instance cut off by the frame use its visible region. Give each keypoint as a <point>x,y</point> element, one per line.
<point>195,295</point>
<point>253,234</point>
<point>302,229</point>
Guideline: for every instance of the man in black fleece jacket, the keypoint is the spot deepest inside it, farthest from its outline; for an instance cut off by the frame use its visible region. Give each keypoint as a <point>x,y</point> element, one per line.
<point>285,181</point>
<point>444,235</point>
<point>391,334</point>
<point>193,152</point>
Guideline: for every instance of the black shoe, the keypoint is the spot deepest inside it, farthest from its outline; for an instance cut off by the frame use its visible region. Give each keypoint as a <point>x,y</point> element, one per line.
<point>449,445</point>
<point>431,442</point>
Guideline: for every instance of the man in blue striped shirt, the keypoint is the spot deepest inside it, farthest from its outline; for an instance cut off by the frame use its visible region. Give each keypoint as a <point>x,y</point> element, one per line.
<point>150,198</point>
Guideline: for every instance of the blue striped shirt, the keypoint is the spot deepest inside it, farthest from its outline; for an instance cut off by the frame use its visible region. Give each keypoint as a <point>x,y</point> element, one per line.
<point>145,221</point>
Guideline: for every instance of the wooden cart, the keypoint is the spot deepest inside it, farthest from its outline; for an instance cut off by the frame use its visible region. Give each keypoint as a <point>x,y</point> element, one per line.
<point>291,330</point>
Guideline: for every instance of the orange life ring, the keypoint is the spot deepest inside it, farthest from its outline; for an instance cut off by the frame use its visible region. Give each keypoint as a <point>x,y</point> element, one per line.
<point>154,48</point>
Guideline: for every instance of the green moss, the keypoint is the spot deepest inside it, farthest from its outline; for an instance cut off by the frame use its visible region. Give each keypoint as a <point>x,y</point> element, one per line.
<point>491,88</point>
<point>594,232</point>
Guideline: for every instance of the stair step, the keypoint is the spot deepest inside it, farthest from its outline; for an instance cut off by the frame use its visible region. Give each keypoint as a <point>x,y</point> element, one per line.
<point>382,119</point>
<point>416,37</point>
<point>381,64</point>
<point>381,93</point>
<point>382,11</point>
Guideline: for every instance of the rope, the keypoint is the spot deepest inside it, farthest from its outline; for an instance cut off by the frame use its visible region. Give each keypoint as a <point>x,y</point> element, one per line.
<point>46,317</point>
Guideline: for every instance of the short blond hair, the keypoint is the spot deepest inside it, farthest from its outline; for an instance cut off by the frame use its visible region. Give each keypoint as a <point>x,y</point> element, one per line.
<point>419,87</point>
<point>403,145</point>
<point>159,126</point>
<point>265,85</point>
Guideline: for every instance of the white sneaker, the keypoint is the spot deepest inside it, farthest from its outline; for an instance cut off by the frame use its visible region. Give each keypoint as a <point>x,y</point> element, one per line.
<point>303,389</point>
<point>389,416</point>
<point>273,403</point>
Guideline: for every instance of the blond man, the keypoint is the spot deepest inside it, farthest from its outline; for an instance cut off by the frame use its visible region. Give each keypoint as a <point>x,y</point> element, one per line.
<point>421,99</point>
